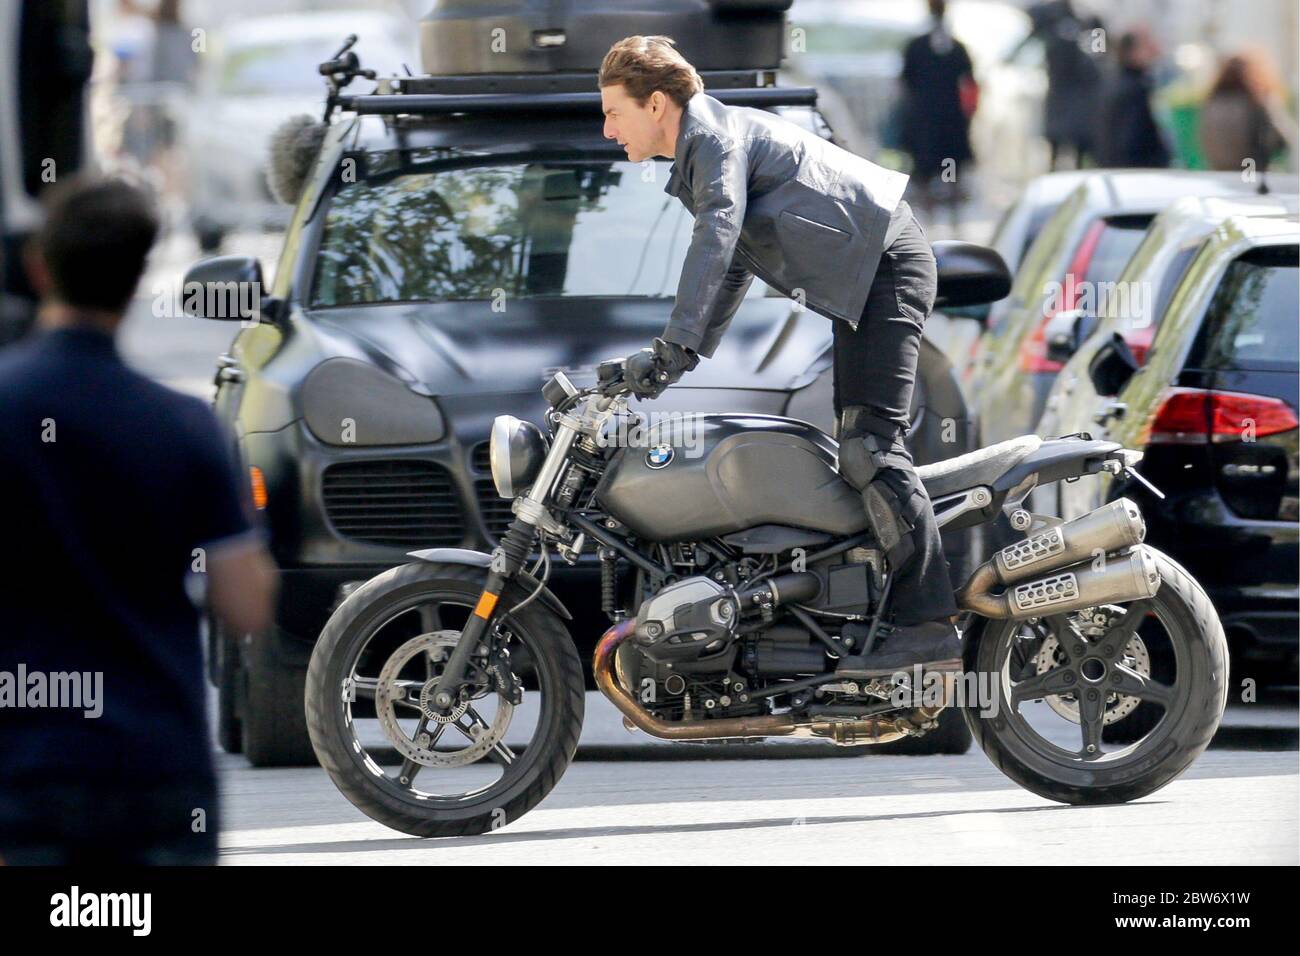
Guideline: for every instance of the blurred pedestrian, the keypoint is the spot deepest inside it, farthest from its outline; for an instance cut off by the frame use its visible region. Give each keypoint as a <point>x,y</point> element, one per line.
<point>1073,78</point>
<point>122,501</point>
<point>1243,118</point>
<point>1127,133</point>
<point>940,96</point>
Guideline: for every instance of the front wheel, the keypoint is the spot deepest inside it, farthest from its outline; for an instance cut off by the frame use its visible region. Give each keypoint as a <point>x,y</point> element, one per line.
<point>1047,688</point>
<point>404,763</point>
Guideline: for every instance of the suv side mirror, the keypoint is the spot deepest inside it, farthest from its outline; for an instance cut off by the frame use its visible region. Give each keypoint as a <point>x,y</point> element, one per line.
<point>226,288</point>
<point>969,275</point>
<point>1063,334</point>
<point>1112,366</point>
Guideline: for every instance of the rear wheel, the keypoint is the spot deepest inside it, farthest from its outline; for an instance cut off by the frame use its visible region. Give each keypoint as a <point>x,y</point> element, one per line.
<point>1051,685</point>
<point>402,762</point>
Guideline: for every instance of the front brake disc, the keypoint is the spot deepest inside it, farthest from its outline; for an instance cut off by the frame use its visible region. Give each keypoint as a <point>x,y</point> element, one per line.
<point>392,693</point>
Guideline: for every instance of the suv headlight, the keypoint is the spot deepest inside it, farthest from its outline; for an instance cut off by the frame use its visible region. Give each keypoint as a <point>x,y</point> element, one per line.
<point>349,402</point>
<point>517,450</point>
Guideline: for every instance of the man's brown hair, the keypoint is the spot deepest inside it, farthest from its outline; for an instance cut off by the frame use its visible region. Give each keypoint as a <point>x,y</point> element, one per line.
<point>95,240</point>
<point>645,64</point>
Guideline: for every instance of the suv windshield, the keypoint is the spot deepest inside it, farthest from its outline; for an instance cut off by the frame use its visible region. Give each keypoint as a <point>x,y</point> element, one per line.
<point>523,230</point>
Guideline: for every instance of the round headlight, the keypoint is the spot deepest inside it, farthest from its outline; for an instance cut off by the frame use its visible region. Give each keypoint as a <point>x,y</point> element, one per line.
<point>517,450</point>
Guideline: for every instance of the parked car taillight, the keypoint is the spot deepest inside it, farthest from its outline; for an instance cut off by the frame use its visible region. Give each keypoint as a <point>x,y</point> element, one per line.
<point>1193,416</point>
<point>1139,341</point>
<point>1033,350</point>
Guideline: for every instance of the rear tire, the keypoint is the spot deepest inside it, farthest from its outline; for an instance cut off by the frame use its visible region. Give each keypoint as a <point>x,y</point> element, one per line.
<point>1200,695</point>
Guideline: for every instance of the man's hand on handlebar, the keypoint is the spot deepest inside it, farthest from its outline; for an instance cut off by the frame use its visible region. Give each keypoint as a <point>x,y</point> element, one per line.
<point>648,372</point>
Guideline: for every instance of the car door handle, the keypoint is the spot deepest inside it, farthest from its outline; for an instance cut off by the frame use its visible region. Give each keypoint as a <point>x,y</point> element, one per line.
<point>1112,410</point>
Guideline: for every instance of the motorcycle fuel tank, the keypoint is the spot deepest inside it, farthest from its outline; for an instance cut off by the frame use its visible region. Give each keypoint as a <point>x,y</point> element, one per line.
<point>699,476</point>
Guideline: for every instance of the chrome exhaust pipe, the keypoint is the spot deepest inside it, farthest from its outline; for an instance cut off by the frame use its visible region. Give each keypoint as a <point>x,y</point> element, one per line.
<point>1116,526</point>
<point>845,733</point>
<point>1120,579</point>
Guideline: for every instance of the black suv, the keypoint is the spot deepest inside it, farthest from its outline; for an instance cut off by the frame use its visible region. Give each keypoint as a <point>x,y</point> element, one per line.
<point>458,240</point>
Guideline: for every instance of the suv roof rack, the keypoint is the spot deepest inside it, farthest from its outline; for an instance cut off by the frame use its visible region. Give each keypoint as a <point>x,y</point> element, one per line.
<point>521,92</point>
<point>576,81</point>
<point>438,104</point>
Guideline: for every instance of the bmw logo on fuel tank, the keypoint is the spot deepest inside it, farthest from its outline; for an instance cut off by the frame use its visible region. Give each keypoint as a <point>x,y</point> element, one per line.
<point>659,456</point>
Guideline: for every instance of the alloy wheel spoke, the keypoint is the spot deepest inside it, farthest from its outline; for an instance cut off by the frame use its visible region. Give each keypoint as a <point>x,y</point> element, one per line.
<point>1069,639</point>
<point>363,687</point>
<point>1117,638</point>
<point>500,753</point>
<point>1092,712</point>
<point>1059,680</point>
<point>409,769</point>
<point>406,775</point>
<point>430,618</point>
<point>1128,682</point>
<point>407,687</point>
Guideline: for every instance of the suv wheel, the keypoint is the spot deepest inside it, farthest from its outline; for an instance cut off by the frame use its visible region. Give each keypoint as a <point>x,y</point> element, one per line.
<point>272,716</point>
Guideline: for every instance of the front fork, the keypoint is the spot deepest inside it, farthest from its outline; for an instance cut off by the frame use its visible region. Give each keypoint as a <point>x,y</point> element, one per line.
<point>507,560</point>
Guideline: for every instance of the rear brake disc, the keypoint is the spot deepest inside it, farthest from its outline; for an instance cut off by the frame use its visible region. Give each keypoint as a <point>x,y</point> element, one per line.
<point>1118,707</point>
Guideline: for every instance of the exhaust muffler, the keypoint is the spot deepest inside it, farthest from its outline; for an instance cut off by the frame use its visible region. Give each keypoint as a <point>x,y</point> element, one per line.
<point>1120,579</point>
<point>1062,562</point>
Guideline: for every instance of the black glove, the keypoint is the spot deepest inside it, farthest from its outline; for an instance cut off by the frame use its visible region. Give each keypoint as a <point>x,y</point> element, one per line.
<point>650,371</point>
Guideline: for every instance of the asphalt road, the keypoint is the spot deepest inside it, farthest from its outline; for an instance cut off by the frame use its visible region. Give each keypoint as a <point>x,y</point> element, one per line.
<point>630,800</point>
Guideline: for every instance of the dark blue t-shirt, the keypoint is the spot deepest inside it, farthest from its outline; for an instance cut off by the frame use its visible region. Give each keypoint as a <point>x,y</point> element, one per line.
<point>115,489</point>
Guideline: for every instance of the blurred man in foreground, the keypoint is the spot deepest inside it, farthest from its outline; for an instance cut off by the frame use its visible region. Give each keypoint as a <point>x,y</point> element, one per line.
<point>121,495</point>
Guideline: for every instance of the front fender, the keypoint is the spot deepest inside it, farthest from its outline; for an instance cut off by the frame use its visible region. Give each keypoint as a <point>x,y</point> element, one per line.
<point>481,559</point>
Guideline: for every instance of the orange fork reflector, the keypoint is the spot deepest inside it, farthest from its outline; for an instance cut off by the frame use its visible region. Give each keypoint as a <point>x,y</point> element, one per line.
<point>257,483</point>
<point>486,602</point>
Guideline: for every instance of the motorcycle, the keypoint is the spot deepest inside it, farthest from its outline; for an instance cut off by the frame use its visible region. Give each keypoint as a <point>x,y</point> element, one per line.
<point>445,696</point>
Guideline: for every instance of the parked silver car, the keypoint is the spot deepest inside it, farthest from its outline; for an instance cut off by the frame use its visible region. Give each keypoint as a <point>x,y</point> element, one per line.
<point>261,71</point>
<point>1134,309</point>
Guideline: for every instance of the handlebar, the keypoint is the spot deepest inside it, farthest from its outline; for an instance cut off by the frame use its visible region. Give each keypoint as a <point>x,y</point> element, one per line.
<point>611,379</point>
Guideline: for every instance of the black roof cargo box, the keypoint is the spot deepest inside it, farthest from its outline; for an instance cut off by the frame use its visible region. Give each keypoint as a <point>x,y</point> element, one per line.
<point>460,37</point>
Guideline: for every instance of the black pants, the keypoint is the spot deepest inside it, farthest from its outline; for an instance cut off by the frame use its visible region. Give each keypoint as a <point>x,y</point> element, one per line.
<point>108,823</point>
<point>875,367</point>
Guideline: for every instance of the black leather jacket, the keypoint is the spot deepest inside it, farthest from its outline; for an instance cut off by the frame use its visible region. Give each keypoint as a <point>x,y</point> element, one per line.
<point>774,201</point>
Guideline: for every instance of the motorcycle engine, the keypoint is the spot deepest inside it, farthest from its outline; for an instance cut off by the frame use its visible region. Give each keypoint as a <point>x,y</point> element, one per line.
<point>686,621</point>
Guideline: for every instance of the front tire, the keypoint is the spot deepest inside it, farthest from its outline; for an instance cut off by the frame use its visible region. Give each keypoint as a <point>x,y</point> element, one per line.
<point>356,639</point>
<point>1192,704</point>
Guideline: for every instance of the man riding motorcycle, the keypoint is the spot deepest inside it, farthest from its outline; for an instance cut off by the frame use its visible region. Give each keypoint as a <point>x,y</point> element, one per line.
<point>826,228</point>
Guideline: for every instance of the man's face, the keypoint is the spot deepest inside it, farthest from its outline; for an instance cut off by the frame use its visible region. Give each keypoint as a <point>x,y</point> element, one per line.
<point>637,127</point>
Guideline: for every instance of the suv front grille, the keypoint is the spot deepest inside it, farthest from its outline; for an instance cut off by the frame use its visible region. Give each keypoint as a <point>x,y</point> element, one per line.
<point>494,509</point>
<point>399,502</point>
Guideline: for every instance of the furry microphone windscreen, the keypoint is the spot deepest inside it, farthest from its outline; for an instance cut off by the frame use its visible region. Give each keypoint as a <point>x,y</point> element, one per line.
<point>294,146</point>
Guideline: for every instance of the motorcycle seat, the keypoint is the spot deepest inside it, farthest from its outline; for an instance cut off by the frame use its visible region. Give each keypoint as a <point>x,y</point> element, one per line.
<point>981,467</point>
